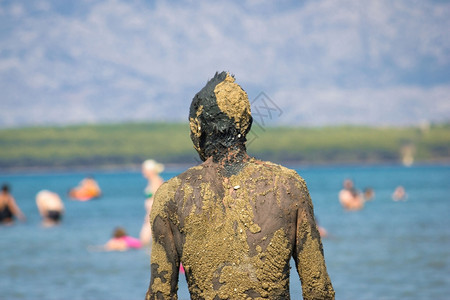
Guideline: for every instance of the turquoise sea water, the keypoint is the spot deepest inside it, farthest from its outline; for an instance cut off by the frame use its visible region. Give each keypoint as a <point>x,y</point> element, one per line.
<point>388,250</point>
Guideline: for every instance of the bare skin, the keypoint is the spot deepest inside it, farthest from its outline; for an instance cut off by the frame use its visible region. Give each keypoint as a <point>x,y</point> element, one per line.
<point>349,198</point>
<point>46,202</point>
<point>154,182</point>
<point>8,201</point>
<point>234,222</point>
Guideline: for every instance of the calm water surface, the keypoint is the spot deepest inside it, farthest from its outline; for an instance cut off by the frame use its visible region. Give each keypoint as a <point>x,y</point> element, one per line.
<point>389,250</point>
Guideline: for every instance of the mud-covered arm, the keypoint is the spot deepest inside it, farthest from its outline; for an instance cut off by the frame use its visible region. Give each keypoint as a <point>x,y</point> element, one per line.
<point>308,253</point>
<point>164,258</point>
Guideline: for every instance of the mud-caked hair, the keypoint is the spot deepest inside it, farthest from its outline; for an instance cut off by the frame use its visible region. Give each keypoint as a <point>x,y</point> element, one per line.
<point>219,116</point>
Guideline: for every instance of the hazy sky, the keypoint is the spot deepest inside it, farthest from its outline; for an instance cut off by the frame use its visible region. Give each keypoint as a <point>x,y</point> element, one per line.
<point>325,62</point>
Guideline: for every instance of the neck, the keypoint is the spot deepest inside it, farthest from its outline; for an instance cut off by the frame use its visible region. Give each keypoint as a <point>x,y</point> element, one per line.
<point>152,176</point>
<point>232,160</point>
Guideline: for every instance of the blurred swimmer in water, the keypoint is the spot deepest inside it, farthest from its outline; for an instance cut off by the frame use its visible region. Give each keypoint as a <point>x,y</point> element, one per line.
<point>150,170</point>
<point>87,189</point>
<point>399,194</point>
<point>322,231</point>
<point>121,241</point>
<point>8,207</point>
<point>368,194</point>
<point>50,207</point>
<point>349,197</point>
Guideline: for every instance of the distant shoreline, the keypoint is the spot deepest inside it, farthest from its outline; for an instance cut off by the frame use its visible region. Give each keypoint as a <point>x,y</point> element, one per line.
<point>126,146</point>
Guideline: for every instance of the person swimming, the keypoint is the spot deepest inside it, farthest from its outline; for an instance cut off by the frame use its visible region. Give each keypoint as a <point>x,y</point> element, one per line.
<point>349,197</point>
<point>50,206</point>
<point>368,194</point>
<point>399,194</point>
<point>150,170</point>
<point>121,241</point>
<point>8,207</point>
<point>87,189</point>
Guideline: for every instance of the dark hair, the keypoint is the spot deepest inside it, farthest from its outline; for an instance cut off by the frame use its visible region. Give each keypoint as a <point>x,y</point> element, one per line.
<point>214,128</point>
<point>119,232</point>
<point>5,188</point>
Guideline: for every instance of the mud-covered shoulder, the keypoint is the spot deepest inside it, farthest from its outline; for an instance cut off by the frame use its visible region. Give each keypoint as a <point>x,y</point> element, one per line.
<point>171,192</point>
<point>287,175</point>
<point>167,190</point>
<point>276,168</point>
<point>291,188</point>
<point>190,174</point>
<point>163,196</point>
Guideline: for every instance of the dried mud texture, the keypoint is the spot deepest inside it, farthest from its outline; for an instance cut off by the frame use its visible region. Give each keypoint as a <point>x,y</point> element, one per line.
<point>233,101</point>
<point>235,235</point>
<point>195,127</point>
<point>164,279</point>
<point>219,116</point>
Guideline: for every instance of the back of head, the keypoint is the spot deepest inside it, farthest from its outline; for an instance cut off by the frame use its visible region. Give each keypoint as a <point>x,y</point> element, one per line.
<point>119,232</point>
<point>219,116</point>
<point>348,184</point>
<point>151,165</point>
<point>5,188</point>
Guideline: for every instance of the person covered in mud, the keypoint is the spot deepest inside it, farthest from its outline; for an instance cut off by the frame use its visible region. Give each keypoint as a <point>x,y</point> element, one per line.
<point>234,222</point>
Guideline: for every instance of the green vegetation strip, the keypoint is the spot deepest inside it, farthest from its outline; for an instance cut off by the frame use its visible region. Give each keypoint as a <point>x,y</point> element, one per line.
<point>130,144</point>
